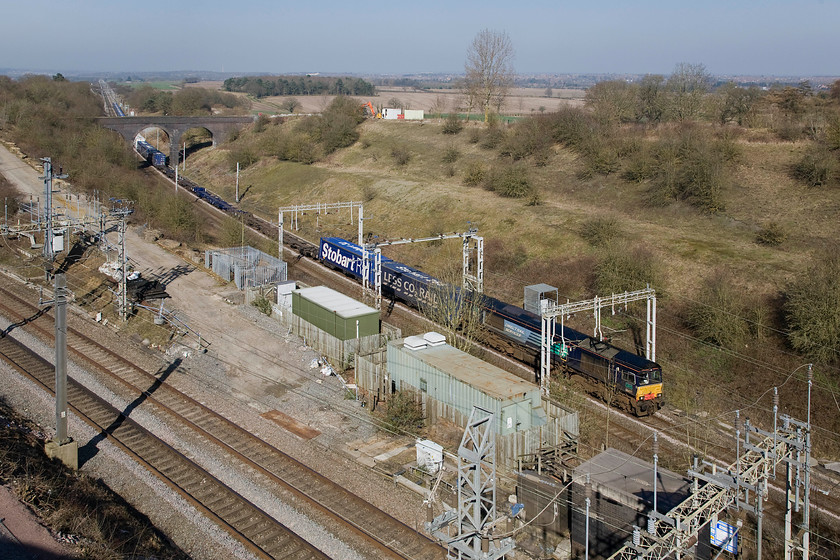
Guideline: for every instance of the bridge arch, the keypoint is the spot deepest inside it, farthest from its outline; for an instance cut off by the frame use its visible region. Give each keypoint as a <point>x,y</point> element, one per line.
<point>175,127</point>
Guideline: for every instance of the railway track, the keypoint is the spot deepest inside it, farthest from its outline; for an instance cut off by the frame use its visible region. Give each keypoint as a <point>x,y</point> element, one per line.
<point>387,535</point>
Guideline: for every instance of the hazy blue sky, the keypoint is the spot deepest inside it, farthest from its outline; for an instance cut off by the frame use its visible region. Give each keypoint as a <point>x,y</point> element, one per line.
<point>640,36</point>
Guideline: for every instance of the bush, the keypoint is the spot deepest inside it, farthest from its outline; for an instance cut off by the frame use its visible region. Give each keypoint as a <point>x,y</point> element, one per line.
<point>788,130</point>
<point>451,155</point>
<point>401,155</point>
<point>474,174</point>
<point>688,167</point>
<point>719,316</point>
<point>403,413</point>
<point>510,181</point>
<point>260,124</point>
<point>493,138</point>
<point>263,304</point>
<point>772,234</point>
<point>620,270</point>
<point>600,232</point>
<point>818,167</point>
<point>812,310</point>
<point>452,124</point>
<point>600,157</point>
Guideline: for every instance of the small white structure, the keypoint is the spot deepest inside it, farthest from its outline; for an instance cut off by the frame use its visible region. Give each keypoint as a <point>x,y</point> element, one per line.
<point>429,455</point>
<point>284,294</point>
<point>413,114</point>
<point>389,113</point>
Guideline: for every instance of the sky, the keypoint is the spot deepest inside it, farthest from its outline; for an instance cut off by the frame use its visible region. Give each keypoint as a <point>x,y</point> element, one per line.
<point>736,37</point>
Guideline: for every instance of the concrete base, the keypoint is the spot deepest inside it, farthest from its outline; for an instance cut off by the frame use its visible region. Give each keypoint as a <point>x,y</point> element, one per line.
<point>67,453</point>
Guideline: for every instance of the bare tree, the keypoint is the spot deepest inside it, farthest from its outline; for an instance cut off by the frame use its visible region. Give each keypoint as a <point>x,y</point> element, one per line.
<point>687,86</point>
<point>489,69</point>
<point>457,312</point>
<point>290,104</point>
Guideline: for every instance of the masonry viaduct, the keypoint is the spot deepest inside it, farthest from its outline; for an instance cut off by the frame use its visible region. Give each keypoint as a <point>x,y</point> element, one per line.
<point>130,127</point>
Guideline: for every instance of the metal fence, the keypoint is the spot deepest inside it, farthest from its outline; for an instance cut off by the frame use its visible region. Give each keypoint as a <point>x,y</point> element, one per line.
<point>246,266</point>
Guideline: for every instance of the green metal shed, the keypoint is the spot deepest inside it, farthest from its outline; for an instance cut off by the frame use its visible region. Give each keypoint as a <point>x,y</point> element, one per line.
<point>334,313</point>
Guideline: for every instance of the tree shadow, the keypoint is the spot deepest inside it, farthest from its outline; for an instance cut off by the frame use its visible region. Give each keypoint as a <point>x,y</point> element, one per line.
<point>89,450</point>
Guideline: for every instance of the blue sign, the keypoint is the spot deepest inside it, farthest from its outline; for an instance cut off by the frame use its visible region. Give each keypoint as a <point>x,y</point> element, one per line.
<point>725,536</point>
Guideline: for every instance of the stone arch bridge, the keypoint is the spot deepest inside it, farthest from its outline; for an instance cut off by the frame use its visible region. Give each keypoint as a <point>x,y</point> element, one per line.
<point>130,127</point>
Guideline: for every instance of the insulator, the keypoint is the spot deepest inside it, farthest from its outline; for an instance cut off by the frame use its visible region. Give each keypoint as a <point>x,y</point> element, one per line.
<point>637,536</point>
<point>775,397</point>
<point>739,425</point>
<point>651,525</point>
<point>655,445</point>
<point>588,490</point>
<point>810,373</point>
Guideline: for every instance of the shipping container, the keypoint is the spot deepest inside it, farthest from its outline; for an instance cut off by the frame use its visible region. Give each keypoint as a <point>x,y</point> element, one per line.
<point>391,114</point>
<point>413,114</point>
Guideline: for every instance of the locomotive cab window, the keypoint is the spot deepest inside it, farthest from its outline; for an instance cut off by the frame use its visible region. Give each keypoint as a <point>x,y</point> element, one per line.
<point>629,378</point>
<point>651,376</point>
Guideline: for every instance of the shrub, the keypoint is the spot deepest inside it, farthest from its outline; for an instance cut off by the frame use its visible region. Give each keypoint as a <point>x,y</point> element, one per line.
<point>263,304</point>
<point>511,181</point>
<point>600,232</point>
<point>600,157</point>
<point>493,138</point>
<point>403,413</point>
<point>452,124</point>
<point>641,167</point>
<point>401,155</point>
<point>812,309</point>
<point>451,155</point>
<point>817,167</point>
<point>719,316</point>
<point>260,124</point>
<point>619,270</point>
<point>688,168</point>
<point>788,130</point>
<point>475,136</point>
<point>474,174</point>
<point>771,234</point>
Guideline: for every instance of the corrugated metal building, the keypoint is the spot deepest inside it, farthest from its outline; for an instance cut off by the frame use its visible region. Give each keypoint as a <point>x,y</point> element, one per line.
<point>461,381</point>
<point>449,382</point>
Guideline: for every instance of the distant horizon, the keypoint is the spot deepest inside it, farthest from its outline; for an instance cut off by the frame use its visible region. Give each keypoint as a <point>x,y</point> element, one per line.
<point>232,73</point>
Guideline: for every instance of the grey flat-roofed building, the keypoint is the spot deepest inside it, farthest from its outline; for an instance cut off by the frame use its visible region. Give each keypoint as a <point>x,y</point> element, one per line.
<point>622,496</point>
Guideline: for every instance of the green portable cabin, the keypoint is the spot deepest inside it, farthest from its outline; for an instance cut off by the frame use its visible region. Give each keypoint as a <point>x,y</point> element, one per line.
<point>334,313</point>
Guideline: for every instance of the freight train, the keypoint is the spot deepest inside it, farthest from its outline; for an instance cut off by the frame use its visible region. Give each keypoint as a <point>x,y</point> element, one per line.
<point>150,153</point>
<point>619,377</point>
<point>627,380</point>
